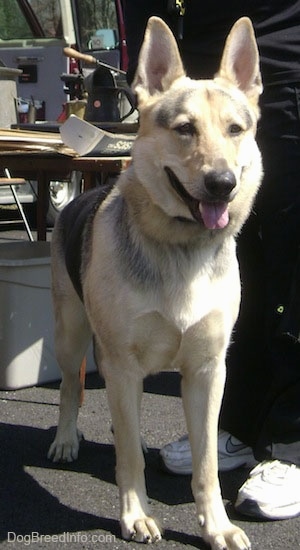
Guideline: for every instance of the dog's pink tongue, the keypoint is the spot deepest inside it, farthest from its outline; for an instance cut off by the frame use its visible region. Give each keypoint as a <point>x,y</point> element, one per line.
<point>214,215</point>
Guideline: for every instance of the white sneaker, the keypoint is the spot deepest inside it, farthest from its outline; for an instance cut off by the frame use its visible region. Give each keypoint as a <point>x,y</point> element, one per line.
<point>232,454</point>
<point>177,457</point>
<point>272,491</point>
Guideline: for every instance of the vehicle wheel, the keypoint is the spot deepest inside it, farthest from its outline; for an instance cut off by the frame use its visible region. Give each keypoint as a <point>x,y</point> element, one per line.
<point>61,192</point>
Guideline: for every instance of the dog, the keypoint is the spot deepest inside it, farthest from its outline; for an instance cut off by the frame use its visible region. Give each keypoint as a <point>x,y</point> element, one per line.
<point>149,269</point>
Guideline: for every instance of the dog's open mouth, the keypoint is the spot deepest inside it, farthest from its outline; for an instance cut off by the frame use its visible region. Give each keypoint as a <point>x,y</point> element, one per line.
<point>213,214</point>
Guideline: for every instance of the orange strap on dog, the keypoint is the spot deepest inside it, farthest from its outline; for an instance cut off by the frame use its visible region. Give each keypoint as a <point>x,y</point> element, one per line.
<point>82,380</point>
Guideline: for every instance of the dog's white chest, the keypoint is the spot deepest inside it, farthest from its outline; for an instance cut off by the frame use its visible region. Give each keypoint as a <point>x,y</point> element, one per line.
<point>191,290</point>
<point>186,305</point>
<point>167,315</point>
<point>158,331</point>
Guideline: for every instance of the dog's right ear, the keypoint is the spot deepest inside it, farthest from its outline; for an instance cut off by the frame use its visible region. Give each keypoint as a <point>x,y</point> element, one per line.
<point>159,62</point>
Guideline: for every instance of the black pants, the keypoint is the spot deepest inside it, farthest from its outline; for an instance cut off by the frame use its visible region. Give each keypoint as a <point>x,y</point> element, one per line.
<point>261,404</point>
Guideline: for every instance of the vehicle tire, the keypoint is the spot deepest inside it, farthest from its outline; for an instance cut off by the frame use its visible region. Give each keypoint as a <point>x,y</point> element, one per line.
<point>61,192</point>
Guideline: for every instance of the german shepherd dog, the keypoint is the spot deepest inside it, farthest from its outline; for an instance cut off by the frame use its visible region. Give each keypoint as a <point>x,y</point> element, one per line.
<point>151,271</point>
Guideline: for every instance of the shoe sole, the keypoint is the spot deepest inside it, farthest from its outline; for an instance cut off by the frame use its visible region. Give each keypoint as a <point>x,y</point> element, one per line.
<point>226,464</point>
<point>249,507</point>
<point>163,466</point>
<point>247,464</point>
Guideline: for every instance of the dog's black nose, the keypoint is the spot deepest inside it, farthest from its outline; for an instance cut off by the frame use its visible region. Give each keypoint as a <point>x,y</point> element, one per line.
<point>220,184</point>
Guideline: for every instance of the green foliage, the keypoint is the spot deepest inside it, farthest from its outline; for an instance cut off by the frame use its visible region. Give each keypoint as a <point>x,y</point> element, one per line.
<point>12,22</point>
<point>94,15</point>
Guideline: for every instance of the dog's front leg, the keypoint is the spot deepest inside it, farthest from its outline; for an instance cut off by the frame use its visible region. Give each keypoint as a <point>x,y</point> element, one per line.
<point>202,390</point>
<point>124,395</point>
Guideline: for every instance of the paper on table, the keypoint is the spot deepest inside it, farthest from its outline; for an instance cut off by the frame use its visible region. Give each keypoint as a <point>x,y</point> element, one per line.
<point>17,140</point>
<point>87,139</point>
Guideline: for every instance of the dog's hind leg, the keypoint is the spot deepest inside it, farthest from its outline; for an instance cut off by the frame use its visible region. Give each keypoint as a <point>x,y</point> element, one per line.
<point>124,395</point>
<point>72,336</point>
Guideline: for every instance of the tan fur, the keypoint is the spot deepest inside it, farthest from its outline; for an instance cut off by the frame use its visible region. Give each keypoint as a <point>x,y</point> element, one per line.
<point>166,295</point>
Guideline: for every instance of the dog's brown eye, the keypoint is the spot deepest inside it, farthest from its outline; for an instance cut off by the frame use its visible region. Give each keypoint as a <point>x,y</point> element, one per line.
<point>235,129</point>
<point>186,129</point>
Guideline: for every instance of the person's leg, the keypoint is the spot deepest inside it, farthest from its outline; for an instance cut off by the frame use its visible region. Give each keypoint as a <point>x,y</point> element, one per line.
<point>278,424</point>
<point>246,380</point>
<point>273,487</point>
<point>262,362</point>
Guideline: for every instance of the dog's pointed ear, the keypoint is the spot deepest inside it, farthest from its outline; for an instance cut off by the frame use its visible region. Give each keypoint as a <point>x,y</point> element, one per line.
<point>240,61</point>
<point>159,62</point>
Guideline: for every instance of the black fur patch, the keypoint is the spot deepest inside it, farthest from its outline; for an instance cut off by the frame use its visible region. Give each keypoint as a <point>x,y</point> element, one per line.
<point>76,221</point>
<point>134,262</point>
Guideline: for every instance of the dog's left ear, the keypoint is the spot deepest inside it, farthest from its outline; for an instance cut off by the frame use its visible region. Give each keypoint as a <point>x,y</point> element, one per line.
<point>240,61</point>
<point>159,61</point>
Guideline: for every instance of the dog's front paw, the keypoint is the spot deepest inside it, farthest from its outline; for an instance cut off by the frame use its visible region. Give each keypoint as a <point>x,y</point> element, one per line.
<point>231,538</point>
<point>65,449</point>
<point>144,529</point>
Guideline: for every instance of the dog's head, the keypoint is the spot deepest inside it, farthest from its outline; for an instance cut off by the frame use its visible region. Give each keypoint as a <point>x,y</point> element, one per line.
<point>196,152</point>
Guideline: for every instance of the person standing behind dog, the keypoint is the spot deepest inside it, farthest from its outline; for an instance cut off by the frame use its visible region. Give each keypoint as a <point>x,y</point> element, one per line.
<point>260,416</point>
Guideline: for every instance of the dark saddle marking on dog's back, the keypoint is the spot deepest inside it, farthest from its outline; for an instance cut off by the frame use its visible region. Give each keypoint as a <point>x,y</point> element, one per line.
<point>76,220</point>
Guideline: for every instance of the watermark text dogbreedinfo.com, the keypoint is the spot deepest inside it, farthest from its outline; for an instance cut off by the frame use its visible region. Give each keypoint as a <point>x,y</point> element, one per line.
<point>72,538</point>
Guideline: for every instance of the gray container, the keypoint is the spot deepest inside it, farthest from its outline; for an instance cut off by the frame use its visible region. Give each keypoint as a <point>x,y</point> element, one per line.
<point>8,94</point>
<point>27,356</point>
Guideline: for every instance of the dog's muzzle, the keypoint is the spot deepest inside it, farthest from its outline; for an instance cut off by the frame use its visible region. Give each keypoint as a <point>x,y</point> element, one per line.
<point>212,210</point>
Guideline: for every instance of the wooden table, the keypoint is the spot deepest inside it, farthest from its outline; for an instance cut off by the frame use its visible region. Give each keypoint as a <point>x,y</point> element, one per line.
<point>43,167</point>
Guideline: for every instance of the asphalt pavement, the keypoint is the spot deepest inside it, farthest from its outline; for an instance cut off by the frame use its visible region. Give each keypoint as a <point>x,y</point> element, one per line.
<point>50,506</point>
